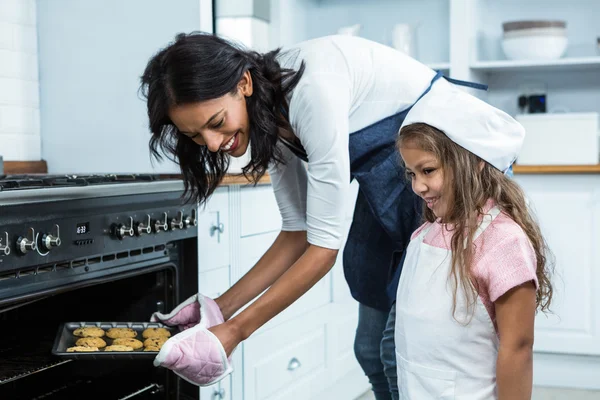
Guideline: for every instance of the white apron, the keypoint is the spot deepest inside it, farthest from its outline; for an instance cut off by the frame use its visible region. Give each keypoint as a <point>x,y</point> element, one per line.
<point>438,357</point>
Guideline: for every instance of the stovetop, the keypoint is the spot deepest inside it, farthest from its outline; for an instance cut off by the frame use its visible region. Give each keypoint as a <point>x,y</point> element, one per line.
<point>27,182</point>
<point>39,188</point>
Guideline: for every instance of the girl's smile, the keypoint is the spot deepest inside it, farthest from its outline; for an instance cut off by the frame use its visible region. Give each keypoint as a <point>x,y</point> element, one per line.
<point>427,178</point>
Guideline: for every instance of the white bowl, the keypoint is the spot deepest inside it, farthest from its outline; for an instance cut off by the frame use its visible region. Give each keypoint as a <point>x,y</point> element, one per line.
<point>534,47</point>
<point>535,32</point>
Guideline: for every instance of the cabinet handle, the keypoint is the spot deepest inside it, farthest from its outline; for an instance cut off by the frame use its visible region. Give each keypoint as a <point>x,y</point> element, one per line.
<point>218,227</point>
<point>294,364</point>
<point>218,395</point>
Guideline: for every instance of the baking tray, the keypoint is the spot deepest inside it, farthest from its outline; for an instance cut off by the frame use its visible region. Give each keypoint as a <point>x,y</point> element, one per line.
<point>65,339</point>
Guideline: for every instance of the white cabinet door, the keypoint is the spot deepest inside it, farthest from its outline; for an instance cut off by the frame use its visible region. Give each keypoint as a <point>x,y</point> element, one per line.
<point>219,391</point>
<point>287,362</point>
<point>213,231</point>
<point>568,209</point>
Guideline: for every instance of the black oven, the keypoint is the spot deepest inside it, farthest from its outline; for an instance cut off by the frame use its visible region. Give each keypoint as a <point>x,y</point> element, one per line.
<point>93,248</point>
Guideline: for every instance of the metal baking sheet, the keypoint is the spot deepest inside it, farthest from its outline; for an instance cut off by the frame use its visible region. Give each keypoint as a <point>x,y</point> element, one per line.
<point>65,339</point>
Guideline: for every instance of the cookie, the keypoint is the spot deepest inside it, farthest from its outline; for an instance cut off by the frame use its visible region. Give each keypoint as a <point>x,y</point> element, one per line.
<point>152,348</point>
<point>118,348</point>
<point>155,342</point>
<point>131,342</point>
<point>156,332</point>
<point>89,331</point>
<point>91,342</point>
<point>81,349</point>
<point>115,333</point>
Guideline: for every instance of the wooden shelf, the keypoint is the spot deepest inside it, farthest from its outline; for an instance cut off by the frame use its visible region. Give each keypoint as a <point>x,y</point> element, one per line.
<point>556,169</point>
<point>575,63</point>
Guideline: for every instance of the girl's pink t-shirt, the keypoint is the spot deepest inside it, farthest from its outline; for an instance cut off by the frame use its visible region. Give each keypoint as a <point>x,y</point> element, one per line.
<point>503,259</point>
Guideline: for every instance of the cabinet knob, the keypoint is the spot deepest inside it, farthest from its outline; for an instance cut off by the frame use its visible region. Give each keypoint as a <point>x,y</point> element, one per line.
<point>217,228</point>
<point>294,364</point>
<point>218,394</point>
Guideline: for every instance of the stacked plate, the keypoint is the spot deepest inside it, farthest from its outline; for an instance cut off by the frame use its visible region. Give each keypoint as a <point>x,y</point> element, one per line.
<point>534,40</point>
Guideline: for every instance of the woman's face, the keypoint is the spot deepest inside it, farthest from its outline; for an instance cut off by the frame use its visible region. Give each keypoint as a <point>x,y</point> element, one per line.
<point>427,178</point>
<point>220,124</point>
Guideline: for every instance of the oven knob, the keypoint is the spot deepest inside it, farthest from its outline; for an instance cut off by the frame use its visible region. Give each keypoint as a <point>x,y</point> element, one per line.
<point>50,241</point>
<point>141,228</point>
<point>178,223</point>
<point>4,249</point>
<point>123,230</point>
<point>162,225</point>
<point>25,244</point>
<point>191,220</point>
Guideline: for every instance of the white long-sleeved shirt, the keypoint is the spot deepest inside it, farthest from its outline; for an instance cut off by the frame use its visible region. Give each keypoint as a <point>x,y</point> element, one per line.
<point>349,83</point>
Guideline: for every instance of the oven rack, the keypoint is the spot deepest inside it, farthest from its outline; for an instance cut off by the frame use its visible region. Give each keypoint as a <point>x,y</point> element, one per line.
<point>14,365</point>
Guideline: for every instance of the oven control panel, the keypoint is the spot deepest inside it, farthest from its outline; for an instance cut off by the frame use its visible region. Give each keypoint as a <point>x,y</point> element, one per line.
<point>147,225</point>
<point>47,241</point>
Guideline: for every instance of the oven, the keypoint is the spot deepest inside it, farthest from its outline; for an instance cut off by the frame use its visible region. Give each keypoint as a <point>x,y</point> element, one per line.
<point>93,248</point>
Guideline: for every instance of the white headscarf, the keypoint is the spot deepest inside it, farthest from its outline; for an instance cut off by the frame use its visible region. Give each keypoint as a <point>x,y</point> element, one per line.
<point>473,124</point>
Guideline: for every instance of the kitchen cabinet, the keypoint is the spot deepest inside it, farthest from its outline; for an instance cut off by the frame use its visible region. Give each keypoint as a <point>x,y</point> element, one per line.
<point>296,20</point>
<point>305,352</point>
<point>567,341</point>
<point>463,38</point>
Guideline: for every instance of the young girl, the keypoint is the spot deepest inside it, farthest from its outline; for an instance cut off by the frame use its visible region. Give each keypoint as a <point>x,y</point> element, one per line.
<point>476,271</point>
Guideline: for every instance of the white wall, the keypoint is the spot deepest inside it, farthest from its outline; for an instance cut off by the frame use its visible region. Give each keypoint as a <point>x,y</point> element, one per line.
<point>92,54</point>
<point>19,89</point>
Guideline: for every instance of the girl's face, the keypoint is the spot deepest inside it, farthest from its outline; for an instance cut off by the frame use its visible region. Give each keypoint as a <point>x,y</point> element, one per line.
<point>220,124</point>
<point>427,178</point>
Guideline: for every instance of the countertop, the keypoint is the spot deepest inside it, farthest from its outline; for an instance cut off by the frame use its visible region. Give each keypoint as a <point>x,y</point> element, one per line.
<point>40,167</point>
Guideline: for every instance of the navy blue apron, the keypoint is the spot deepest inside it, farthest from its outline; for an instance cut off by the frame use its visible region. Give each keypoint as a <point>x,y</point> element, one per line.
<point>386,213</point>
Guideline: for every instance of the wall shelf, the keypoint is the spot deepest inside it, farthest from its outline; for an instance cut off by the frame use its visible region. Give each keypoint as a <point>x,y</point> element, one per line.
<point>579,63</point>
<point>556,169</point>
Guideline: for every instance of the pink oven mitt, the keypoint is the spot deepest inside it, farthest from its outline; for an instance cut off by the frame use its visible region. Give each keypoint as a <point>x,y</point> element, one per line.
<point>195,354</point>
<point>191,312</point>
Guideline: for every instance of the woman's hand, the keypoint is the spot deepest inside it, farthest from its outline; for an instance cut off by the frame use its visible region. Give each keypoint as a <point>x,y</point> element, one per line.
<point>229,336</point>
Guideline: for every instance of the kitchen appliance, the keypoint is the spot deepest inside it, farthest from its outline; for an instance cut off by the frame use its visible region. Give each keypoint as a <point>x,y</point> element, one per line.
<point>534,40</point>
<point>559,139</point>
<point>90,248</point>
<point>532,104</point>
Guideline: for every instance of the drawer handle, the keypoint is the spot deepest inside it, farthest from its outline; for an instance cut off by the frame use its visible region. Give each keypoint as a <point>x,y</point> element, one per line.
<point>219,395</point>
<point>294,364</point>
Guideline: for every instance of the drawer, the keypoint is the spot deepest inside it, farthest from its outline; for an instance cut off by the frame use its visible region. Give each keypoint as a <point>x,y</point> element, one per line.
<point>215,282</point>
<point>259,211</point>
<point>279,358</point>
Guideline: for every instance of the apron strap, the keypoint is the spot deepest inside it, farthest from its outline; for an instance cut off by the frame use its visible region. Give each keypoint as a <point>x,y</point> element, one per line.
<point>473,85</point>
<point>486,221</point>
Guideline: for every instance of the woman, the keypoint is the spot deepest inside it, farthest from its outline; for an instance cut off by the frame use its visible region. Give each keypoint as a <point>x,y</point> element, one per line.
<point>322,113</point>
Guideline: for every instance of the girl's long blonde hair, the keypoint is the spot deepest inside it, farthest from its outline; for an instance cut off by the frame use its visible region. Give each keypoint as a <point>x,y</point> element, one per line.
<point>470,182</point>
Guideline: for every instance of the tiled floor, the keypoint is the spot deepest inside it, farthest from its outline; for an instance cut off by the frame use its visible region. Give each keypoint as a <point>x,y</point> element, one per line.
<point>540,394</point>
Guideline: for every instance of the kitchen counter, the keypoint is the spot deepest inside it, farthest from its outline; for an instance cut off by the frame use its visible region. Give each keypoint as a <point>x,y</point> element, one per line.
<point>40,167</point>
<point>556,169</point>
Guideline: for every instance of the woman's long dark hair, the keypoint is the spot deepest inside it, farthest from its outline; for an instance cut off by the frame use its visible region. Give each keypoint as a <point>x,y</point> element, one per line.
<point>198,67</point>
